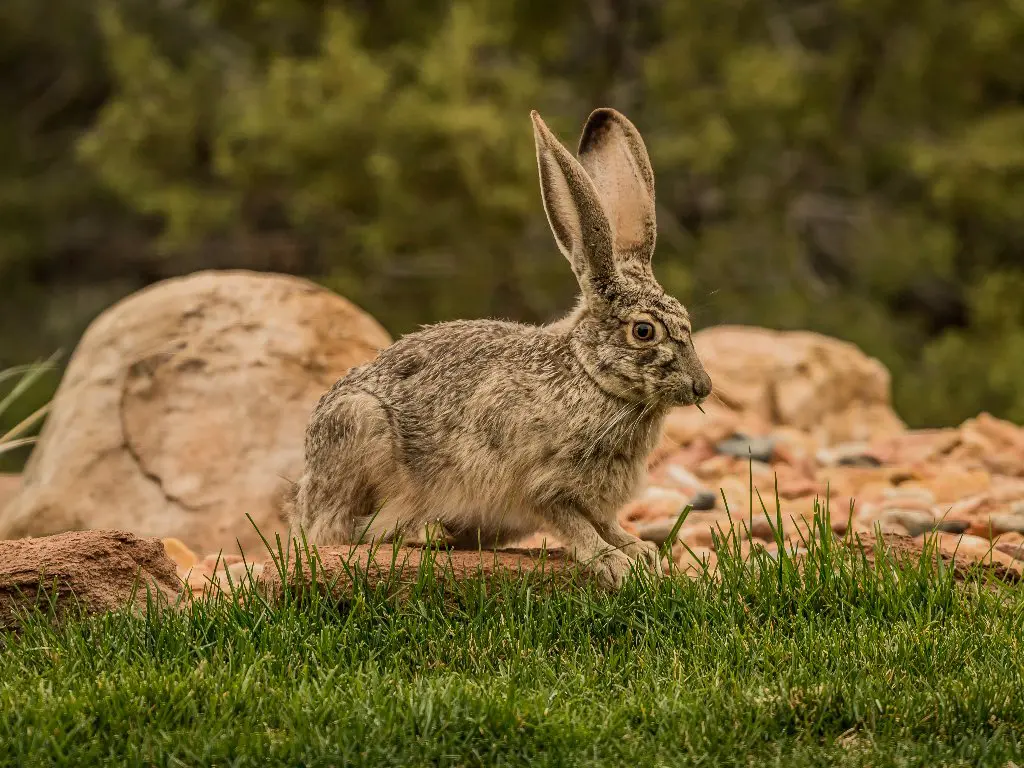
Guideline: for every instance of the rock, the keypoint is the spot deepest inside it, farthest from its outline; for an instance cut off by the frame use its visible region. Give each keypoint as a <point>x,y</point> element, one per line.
<point>790,484</point>
<point>9,487</point>
<point>673,474</point>
<point>743,447</point>
<point>400,566</point>
<point>544,540</point>
<point>952,526</point>
<point>675,469</point>
<point>998,444</point>
<point>704,501</point>
<point>794,528</point>
<point>793,453</point>
<point>716,466</point>
<point>974,549</point>
<point>656,531</point>
<point>907,497</point>
<point>96,570</point>
<point>184,408</point>
<point>1012,547</point>
<point>823,386</point>
<point>854,454</point>
<point>213,575</point>
<point>859,461</point>
<point>1012,522</point>
<point>962,561</point>
<point>913,521</point>
<point>184,558</point>
<point>684,425</point>
<point>914,447</point>
<point>951,484</point>
<point>701,532</point>
<point>654,504</point>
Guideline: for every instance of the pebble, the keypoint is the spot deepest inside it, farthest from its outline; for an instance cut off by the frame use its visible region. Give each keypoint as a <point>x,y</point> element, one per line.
<point>952,526</point>
<point>1012,548</point>
<point>1012,522</point>
<point>742,447</point>
<point>915,521</point>
<point>704,501</point>
<point>683,476</point>
<point>655,531</point>
<point>182,556</point>
<point>847,455</point>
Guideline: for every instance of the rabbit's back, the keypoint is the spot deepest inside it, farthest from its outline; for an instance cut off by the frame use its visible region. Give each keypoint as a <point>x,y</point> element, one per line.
<point>460,391</point>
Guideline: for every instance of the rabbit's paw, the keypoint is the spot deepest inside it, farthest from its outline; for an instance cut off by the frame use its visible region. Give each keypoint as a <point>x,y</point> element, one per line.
<point>647,556</point>
<point>611,568</point>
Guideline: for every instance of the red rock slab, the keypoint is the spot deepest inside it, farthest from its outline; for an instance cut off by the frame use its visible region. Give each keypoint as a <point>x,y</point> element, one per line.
<point>961,553</point>
<point>97,571</point>
<point>401,566</point>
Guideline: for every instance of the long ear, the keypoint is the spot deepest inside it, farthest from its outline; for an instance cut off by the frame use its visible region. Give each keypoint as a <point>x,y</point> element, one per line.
<point>614,156</point>
<point>574,212</point>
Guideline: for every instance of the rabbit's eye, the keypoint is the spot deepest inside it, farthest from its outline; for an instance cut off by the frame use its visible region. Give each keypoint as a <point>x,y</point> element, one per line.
<point>643,331</point>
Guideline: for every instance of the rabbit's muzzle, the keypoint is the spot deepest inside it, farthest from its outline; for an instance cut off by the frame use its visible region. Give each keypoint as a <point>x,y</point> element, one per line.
<point>697,384</point>
<point>701,384</point>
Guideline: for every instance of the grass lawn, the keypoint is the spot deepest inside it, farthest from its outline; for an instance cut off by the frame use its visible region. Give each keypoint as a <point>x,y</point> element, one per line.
<point>834,663</point>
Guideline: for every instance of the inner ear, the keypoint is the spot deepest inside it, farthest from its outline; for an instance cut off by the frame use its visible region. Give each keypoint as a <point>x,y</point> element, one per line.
<point>615,157</point>
<point>577,220</point>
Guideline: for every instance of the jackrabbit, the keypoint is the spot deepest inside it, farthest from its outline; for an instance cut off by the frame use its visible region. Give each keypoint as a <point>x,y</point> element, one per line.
<point>496,430</point>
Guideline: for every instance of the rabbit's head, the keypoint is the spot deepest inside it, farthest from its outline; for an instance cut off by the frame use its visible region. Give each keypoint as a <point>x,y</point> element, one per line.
<point>633,338</point>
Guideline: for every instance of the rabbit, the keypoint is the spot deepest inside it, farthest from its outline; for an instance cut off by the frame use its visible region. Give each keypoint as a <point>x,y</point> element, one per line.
<point>497,430</point>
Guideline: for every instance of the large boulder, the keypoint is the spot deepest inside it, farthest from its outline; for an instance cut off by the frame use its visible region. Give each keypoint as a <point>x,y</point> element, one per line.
<point>90,571</point>
<point>799,379</point>
<point>183,410</point>
<point>9,486</point>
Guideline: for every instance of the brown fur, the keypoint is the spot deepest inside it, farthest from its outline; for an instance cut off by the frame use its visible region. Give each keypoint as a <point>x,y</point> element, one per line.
<point>496,429</point>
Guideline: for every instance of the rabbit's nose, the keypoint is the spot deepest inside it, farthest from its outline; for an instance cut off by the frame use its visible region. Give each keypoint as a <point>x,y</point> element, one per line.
<point>702,385</point>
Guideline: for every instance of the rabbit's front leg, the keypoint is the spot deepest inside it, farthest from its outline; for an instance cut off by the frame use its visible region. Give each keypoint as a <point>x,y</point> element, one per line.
<point>644,552</point>
<point>609,565</point>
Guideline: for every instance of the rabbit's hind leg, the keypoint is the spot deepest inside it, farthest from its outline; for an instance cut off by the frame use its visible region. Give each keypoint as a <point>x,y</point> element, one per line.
<point>349,469</point>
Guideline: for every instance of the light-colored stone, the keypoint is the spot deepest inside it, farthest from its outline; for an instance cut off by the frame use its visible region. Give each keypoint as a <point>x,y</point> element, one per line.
<point>974,548</point>
<point>908,496</point>
<point>826,387</point>
<point>952,484</point>
<point>1007,523</point>
<point>913,521</point>
<point>184,407</point>
<point>684,425</point>
<point>9,486</point>
<point>654,504</point>
<point>914,447</point>
<point>184,558</point>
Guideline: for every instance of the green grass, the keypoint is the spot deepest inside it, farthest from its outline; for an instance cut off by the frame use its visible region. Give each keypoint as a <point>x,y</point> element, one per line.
<point>833,663</point>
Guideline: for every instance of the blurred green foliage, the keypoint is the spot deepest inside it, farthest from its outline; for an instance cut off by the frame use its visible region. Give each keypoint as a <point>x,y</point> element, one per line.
<point>850,166</point>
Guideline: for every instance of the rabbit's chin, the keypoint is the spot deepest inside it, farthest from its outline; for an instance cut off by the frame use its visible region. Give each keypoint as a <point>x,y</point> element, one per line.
<point>680,398</point>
